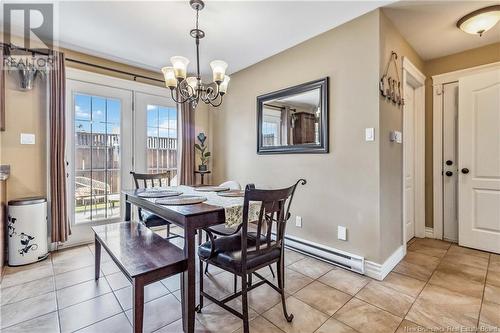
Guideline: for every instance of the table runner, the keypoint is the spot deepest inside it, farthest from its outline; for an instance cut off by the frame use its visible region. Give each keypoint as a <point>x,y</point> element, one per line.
<point>233,206</point>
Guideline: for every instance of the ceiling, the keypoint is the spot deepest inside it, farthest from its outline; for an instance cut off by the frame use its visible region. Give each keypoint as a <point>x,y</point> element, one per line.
<point>147,34</point>
<point>309,99</point>
<point>430,26</point>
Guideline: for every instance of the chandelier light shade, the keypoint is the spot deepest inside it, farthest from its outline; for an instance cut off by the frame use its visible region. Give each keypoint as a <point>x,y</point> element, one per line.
<point>480,21</point>
<point>191,89</point>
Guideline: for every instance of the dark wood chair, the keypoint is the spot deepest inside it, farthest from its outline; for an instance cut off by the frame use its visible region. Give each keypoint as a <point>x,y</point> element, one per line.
<point>142,256</point>
<point>149,180</point>
<point>247,251</point>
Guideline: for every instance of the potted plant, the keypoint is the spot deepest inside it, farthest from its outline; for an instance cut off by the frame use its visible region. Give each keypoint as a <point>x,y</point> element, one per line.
<point>204,155</point>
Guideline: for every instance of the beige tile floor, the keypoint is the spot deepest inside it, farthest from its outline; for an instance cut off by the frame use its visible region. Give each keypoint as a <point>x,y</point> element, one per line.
<point>437,287</point>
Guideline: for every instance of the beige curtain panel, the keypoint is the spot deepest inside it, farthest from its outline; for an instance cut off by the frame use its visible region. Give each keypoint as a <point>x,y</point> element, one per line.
<point>2,88</point>
<point>186,169</point>
<point>57,103</point>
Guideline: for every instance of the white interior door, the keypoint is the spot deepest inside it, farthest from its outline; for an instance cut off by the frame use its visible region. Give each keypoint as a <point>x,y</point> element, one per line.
<point>156,135</point>
<point>409,161</point>
<point>479,161</point>
<point>450,169</point>
<point>98,153</point>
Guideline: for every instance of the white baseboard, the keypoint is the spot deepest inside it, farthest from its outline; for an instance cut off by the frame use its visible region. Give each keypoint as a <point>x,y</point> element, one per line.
<point>380,271</point>
<point>429,232</point>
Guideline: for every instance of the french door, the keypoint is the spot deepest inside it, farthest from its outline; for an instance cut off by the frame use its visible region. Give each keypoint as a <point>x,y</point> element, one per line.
<point>99,153</point>
<point>156,135</point>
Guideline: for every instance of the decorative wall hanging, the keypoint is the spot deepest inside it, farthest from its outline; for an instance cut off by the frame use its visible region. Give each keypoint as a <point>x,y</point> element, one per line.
<point>390,87</point>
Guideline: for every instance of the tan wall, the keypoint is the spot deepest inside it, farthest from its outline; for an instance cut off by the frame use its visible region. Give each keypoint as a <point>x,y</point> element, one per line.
<point>470,58</point>
<point>26,112</point>
<point>391,153</point>
<point>343,186</point>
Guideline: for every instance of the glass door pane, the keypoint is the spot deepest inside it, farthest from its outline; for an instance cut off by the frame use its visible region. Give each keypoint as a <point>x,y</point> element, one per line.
<point>97,157</point>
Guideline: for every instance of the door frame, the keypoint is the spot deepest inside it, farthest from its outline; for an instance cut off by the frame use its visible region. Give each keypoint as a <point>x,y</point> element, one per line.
<point>133,87</point>
<point>415,78</point>
<point>437,133</point>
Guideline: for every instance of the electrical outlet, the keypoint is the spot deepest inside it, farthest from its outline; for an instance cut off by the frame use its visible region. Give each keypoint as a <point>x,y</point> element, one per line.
<point>298,221</point>
<point>342,233</point>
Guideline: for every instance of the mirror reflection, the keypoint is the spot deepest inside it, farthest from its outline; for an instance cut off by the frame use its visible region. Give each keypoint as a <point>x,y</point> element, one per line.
<point>293,119</point>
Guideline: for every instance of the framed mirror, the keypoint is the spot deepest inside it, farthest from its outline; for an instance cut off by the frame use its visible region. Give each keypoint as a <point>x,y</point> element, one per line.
<point>294,120</point>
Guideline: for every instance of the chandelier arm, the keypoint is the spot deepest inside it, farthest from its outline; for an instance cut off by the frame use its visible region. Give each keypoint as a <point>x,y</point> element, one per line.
<point>217,104</point>
<point>214,93</point>
<point>180,100</point>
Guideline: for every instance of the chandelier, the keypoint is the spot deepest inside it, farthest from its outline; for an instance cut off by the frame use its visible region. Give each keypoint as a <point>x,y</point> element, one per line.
<point>191,89</point>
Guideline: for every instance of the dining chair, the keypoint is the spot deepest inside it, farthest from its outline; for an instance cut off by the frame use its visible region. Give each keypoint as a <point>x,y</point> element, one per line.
<point>247,251</point>
<point>232,185</point>
<point>222,229</point>
<point>148,180</point>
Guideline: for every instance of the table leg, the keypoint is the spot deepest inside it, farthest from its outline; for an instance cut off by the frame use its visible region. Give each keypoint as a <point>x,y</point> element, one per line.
<point>202,176</point>
<point>138,310</point>
<point>128,208</point>
<point>97,259</point>
<point>188,282</point>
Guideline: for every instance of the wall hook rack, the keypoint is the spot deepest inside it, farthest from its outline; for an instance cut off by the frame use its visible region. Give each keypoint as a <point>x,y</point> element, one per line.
<point>390,87</point>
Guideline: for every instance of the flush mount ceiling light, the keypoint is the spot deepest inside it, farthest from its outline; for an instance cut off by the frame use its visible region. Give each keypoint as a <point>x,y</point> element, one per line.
<point>191,89</point>
<point>480,21</point>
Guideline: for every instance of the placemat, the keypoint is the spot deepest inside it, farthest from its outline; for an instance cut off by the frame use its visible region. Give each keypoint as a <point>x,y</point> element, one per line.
<point>181,200</point>
<point>232,194</point>
<point>158,194</point>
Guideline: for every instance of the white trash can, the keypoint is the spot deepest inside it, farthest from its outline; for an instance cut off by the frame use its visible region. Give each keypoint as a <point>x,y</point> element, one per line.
<point>27,230</point>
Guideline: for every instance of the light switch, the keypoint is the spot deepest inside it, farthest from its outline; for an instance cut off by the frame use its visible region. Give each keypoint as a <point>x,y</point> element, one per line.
<point>370,134</point>
<point>27,139</point>
<point>298,221</point>
<point>342,233</point>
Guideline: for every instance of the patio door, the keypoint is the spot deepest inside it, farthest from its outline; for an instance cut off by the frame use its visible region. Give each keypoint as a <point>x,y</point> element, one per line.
<point>156,135</point>
<point>99,154</point>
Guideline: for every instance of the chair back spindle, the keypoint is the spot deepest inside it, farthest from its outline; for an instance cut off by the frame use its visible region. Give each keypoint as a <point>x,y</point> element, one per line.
<point>271,224</point>
<point>148,179</point>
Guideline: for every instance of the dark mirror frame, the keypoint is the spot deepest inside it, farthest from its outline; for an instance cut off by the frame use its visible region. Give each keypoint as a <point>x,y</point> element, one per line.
<point>322,147</point>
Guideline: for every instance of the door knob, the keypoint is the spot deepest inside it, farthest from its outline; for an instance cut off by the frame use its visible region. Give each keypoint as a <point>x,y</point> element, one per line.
<point>449,173</point>
<point>449,162</point>
<point>465,171</point>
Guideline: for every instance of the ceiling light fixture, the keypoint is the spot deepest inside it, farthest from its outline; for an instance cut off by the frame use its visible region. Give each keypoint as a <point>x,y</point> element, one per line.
<point>480,21</point>
<point>191,89</point>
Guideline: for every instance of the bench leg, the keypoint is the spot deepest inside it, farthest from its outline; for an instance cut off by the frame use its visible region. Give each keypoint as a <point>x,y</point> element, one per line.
<point>97,259</point>
<point>138,311</point>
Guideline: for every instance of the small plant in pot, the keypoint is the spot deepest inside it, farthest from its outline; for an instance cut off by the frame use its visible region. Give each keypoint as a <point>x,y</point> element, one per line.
<point>204,155</point>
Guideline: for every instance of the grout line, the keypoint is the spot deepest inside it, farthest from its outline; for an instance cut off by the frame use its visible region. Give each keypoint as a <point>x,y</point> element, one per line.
<point>55,293</point>
<point>425,286</point>
<point>482,295</point>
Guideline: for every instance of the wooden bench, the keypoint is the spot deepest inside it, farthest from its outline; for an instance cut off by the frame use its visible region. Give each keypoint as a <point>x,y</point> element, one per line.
<point>143,256</point>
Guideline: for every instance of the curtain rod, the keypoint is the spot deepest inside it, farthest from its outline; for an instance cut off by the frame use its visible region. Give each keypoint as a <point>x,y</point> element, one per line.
<point>35,51</point>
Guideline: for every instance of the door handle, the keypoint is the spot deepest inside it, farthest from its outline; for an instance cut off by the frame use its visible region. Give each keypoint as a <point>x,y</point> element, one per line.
<point>449,173</point>
<point>465,171</point>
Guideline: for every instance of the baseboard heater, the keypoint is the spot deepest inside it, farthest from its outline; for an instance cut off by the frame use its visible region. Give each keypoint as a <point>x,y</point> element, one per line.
<point>336,257</point>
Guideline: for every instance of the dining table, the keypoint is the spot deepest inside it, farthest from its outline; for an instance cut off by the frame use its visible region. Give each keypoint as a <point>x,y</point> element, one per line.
<point>191,218</point>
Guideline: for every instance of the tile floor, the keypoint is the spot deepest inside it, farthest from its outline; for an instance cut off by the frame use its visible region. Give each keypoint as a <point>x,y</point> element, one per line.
<point>437,287</point>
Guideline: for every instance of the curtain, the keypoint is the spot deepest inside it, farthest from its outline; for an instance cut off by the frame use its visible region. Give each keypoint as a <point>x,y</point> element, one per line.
<point>2,88</point>
<point>57,104</point>
<point>186,167</point>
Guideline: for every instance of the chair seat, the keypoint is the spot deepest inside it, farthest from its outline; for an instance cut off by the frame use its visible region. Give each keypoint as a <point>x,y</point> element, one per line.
<point>228,253</point>
<point>152,220</point>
